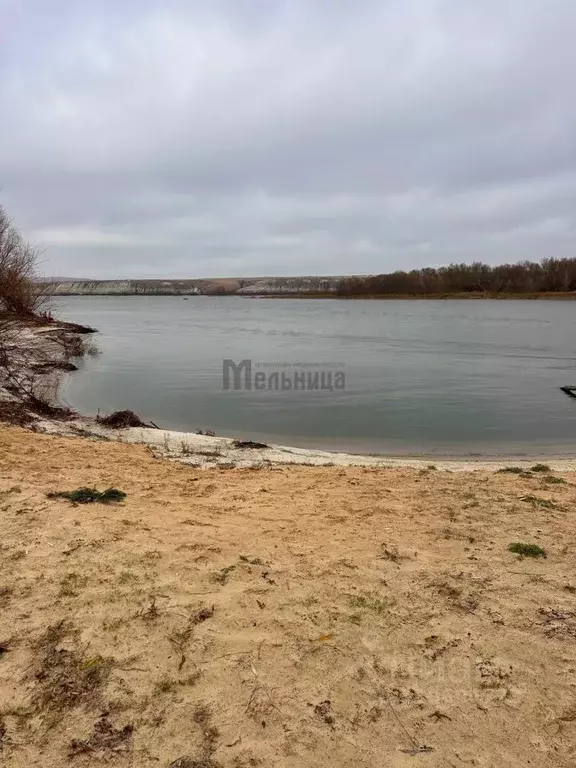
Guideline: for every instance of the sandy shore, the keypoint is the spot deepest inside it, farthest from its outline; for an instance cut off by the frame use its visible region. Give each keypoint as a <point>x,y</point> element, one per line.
<point>281,617</point>
<point>224,452</point>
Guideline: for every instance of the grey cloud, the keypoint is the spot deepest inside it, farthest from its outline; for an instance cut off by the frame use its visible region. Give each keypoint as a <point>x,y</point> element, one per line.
<point>244,137</point>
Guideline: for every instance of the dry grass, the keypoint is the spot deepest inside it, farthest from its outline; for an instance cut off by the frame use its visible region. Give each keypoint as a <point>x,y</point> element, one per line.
<point>65,676</point>
<point>281,617</point>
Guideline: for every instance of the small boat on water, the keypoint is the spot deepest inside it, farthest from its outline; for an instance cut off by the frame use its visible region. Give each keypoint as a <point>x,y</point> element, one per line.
<point>570,391</point>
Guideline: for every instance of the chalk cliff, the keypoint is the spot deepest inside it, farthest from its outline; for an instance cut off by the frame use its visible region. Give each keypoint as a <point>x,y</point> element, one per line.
<point>257,286</point>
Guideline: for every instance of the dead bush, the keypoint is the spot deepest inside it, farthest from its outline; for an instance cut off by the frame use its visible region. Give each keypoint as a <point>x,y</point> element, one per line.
<point>20,293</point>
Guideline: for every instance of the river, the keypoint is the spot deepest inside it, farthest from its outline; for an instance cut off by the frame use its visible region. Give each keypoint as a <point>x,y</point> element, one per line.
<point>414,377</point>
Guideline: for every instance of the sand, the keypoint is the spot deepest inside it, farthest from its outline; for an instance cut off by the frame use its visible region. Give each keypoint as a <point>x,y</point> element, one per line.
<point>282,616</point>
<point>225,453</point>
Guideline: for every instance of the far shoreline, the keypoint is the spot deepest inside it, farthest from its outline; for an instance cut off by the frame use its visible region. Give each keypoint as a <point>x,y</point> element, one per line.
<point>569,296</point>
<point>549,296</point>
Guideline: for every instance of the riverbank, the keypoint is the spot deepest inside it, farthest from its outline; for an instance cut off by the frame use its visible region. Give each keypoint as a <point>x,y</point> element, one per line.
<point>468,296</point>
<point>282,617</point>
<point>34,353</point>
<point>204,451</point>
<point>123,291</point>
<point>325,287</point>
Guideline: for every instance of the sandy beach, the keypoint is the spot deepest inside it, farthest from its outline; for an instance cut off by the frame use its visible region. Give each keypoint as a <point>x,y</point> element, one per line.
<point>225,452</point>
<point>281,616</point>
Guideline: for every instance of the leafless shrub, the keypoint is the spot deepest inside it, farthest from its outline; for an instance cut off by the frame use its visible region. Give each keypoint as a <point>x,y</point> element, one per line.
<point>20,293</point>
<point>32,345</point>
<point>20,298</point>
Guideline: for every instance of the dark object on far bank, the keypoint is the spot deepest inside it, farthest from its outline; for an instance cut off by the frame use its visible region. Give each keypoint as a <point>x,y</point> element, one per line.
<point>121,420</point>
<point>90,496</point>
<point>570,391</point>
<point>206,432</point>
<point>248,444</point>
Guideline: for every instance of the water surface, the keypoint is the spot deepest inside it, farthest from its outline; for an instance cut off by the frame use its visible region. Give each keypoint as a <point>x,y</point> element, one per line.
<point>444,377</point>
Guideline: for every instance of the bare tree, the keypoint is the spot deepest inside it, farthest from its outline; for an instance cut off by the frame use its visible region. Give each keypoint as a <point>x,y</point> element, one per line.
<point>22,300</point>
<point>20,293</point>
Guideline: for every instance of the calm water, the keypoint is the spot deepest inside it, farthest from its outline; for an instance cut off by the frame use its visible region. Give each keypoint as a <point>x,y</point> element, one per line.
<point>446,377</point>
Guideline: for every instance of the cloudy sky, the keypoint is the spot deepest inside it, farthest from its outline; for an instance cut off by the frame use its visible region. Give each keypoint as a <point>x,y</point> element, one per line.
<point>192,138</point>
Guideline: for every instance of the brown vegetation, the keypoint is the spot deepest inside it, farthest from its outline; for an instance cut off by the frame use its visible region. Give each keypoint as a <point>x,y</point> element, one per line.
<point>121,420</point>
<point>21,301</point>
<point>20,294</point>
<point>550,276</point>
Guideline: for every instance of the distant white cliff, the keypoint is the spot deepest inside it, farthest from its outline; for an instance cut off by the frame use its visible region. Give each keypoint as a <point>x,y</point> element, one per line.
<point>258,286</point>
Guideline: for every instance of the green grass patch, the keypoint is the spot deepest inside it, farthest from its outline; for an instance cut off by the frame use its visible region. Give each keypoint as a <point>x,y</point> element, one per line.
<point>553,480</point>
<point>540,468</point>
<point>90,496</point>
<point>510,471</point>
<point>526,550</point>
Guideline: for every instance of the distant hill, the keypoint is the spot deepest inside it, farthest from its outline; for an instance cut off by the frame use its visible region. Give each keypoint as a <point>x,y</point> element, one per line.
<point>242,286</point>
<point>555,278</point>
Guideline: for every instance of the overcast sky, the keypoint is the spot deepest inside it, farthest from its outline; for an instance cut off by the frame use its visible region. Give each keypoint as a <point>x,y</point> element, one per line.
<point>189,138</point>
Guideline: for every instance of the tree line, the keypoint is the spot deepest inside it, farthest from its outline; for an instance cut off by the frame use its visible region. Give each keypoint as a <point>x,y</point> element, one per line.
<point>526,277</point>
